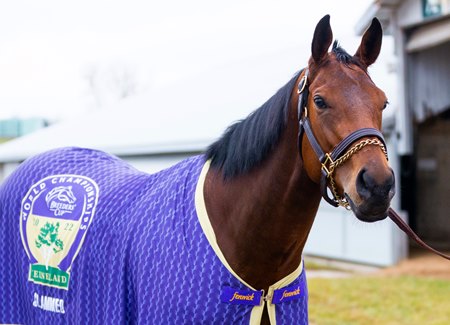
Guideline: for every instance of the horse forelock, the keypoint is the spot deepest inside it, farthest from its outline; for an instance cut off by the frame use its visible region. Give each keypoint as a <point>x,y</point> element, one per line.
<point>343,57</point>
<point>337,54</point>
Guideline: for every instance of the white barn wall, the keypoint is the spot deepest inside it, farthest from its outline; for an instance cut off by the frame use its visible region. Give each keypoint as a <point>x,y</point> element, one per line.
<point>337,234</point>
<point>6,169</point>
<point>153,164</point>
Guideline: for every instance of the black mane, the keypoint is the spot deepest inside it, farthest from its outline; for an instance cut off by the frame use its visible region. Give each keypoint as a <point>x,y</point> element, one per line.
<point>248,142</point>
<point>245,144</point>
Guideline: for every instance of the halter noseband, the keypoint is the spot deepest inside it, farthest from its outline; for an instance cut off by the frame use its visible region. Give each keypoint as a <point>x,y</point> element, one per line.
<point>340,153</point>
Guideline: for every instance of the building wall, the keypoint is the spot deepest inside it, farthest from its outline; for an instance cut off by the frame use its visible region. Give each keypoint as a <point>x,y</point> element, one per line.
<point>14,127</point>
<point>152,164</point>
<point>429,82</point>
<point>411,12</point>
<point>423,67</point>
<point>6,169</point>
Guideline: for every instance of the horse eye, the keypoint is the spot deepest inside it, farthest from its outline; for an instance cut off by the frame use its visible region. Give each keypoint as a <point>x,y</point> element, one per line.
<point>320,103</point>
<point>386,103</point>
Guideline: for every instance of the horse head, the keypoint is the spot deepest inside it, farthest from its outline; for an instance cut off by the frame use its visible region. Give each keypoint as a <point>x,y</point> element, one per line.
<point>340,111</point>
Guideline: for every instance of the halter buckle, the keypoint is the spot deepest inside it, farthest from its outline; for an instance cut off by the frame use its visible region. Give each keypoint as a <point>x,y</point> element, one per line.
<point>302,83</point>
<point>328,165</point>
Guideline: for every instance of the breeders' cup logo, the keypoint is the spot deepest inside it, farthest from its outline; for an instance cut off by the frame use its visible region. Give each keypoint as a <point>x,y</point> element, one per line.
<point>55,215</point>
<point>60,200</point>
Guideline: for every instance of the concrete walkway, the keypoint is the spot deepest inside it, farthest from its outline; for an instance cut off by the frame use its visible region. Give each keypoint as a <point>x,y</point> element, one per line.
<point>420,263</point>
<point>328,268</point>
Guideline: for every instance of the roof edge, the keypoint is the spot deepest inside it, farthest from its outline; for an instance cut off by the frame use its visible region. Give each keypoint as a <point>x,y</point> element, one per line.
<point>383,10</point>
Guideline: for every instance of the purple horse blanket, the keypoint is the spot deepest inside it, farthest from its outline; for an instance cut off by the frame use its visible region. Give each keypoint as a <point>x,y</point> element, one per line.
<point>88,239</point>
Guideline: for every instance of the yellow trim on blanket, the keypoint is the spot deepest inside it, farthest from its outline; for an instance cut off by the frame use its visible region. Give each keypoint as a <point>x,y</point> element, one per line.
<point>208,230</point>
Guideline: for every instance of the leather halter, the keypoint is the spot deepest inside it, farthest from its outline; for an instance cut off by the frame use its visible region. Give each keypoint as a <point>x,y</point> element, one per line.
<point>340,153</point>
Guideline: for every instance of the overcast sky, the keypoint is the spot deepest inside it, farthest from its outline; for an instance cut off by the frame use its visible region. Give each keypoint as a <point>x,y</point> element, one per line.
<point>49,48</point>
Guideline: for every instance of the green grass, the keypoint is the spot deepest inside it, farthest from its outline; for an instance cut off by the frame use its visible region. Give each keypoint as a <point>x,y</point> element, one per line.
<point>379,300</point>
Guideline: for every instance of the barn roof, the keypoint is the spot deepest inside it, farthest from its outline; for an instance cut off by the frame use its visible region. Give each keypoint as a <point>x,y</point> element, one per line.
<point>185,117</point>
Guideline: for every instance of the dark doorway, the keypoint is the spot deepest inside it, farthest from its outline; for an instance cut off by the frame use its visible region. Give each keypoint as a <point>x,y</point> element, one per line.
<point>433,180</point>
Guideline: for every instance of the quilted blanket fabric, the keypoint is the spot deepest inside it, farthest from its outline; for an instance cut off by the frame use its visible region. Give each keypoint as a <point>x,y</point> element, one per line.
<point>88,239</point>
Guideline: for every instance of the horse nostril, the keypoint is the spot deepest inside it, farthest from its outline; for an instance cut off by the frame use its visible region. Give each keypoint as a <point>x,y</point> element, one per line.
<point>390,185</point>
<point>368,186</point>
<point>363,184</point>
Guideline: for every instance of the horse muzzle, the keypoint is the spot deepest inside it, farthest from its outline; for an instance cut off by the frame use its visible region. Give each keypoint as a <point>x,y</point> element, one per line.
<point>375,191</point>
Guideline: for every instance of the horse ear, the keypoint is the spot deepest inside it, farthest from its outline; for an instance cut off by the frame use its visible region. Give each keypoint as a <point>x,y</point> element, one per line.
<point>323,36</point>
<point>370,46</point>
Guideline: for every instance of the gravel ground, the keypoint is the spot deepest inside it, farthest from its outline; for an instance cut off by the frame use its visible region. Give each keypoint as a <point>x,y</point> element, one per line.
<point>419,263</point>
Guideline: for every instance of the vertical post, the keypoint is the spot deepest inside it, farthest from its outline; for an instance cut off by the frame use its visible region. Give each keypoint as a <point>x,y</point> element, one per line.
<point>403,134</point>
<point>403,116</point>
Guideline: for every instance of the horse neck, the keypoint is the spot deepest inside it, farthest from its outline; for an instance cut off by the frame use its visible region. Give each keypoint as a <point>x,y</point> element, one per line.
<point>262,219</point>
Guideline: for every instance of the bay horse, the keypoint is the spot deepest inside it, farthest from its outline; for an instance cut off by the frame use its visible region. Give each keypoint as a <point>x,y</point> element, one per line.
<point>217,238</point>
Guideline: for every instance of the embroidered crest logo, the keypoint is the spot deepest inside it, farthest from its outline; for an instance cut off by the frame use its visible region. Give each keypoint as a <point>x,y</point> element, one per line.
<point>60,200</point>
<point>55,215</point>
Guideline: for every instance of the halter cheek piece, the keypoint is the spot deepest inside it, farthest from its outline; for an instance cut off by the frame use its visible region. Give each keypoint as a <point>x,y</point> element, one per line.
<point>340,153</point>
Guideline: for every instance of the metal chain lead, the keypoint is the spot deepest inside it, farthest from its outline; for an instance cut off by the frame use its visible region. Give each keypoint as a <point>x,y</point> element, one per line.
<point>332,165</point>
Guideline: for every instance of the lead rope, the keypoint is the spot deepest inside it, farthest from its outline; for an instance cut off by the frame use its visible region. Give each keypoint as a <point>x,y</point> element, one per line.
<point>407,230</point>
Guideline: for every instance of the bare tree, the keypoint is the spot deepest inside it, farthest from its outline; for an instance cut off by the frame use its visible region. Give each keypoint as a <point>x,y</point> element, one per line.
<point>122,81</point>
<point>111,83</point>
